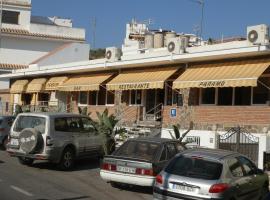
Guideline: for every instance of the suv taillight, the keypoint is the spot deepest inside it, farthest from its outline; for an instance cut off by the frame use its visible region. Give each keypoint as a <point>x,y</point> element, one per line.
<point>49,141</point>
<point>219,188</point>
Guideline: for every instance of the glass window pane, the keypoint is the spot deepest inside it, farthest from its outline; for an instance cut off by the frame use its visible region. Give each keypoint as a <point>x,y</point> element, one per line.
<point>101,96</point>
<point>10,17</point>
<point>169,93</point>
<point>208,95</point>
<point>242,96</point>
<point>93,97</point>
<point>132,97</point>
<point>261,93</point>
<point>235,168</point>
<point>225,96</point>
<point>139,97</point>
<point>83,98</point>
<point>110,97</point>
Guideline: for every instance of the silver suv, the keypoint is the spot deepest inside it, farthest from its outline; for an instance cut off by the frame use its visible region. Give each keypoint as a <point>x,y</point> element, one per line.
<point>211,174</point>
<point>58,138</point>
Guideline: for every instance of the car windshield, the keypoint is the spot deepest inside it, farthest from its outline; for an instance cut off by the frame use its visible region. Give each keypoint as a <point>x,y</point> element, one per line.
<point>37,123</point>
<point>194,167</point>
<point>138,149</point>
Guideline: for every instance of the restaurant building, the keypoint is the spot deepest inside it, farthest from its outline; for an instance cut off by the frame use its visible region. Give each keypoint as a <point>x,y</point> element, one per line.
<point>219,86</point>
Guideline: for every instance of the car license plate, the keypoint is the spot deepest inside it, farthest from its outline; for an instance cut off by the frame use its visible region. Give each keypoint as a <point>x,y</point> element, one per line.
<point>126,169</point>
<point>184,188</point>
<point>14,142</point>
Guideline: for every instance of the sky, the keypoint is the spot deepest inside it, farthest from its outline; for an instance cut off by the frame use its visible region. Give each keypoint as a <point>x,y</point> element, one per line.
<point>221,17</point>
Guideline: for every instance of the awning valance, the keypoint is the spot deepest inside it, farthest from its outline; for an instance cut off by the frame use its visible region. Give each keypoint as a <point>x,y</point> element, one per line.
<point>84,83</point>
<point>54,82</point>
<point>141,79</point>
<point>19,86</point>
<point>36,85</point>
<point>228,74</point>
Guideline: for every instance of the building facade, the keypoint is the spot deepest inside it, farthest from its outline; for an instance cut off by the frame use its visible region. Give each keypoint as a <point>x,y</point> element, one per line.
<point>222,88</point>
<point>34,40</point>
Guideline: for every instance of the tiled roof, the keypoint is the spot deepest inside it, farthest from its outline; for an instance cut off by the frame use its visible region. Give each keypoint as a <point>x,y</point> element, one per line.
<point>12,66</point>
<point>12,31</point>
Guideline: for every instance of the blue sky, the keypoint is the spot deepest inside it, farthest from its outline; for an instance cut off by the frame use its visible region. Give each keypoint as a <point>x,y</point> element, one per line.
<point>222,17</point>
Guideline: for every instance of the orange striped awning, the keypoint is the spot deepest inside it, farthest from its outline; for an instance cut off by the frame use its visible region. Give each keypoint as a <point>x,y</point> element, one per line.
<point>141,79</point>
<point>36,85</point>
<point>19,86</point>
<point>84,83</point>
<point>227,74</point>
<point>54,82</point>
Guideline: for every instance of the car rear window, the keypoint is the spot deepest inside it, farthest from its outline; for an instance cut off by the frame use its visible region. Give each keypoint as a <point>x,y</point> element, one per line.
<point>138,149</point>
<point>194,167</point>
<point>37,123</point>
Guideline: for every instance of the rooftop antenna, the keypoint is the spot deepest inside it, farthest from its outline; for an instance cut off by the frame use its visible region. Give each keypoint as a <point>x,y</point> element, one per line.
<point>201,3</point>
<point>94,26</point>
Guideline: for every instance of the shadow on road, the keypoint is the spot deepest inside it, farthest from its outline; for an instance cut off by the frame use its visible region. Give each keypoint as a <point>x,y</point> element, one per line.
<point>80,165</point>
<point>137,189</point>
<point>74,198</point>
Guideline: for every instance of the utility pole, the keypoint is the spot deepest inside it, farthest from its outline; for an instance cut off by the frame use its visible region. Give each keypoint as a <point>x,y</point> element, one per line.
<point>94,25</point>
<point>201,3</point>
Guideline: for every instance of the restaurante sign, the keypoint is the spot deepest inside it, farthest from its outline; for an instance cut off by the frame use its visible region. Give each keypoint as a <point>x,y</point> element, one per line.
<point>136,86</point>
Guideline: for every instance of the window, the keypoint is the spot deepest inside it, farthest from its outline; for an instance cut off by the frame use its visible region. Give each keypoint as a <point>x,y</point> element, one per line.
<point>68,124</point>
<point>38,123</point>
<point>261,93</point>
<point>102,96</point>
<point>10,17</point>
<point>83,98</point>
<point>235,168</point>
<point>177,98</point>
<point>163,156</point>
<point>225,96</point>
<point>194,168</point>
<point>248,166</point>
<point>93,98</point>
<point>171,150</point>
<point>110,97</point>
<point>242,96</point>
<point>208,95</point>
<point>138,149</point>
<point>169,93</point>
<point>87,125</point>
<point>135,97</point>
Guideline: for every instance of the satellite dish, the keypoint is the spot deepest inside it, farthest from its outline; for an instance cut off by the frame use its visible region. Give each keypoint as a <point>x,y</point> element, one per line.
<point>252,36</point>
<point>171,46</point>
<point>109,54</point>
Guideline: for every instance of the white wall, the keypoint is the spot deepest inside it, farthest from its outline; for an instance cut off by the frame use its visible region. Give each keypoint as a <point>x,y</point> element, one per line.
<point>24,51</point>
<point>4,84</point>
<point>71,53</point>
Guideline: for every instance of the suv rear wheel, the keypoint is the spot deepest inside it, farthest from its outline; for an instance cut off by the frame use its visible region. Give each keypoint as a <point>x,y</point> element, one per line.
<point>67,159</point>
<point>5,142</point>
<point>26,161</point>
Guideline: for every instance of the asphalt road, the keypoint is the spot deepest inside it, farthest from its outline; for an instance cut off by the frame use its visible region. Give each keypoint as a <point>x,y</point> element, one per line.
<point>43,181</point>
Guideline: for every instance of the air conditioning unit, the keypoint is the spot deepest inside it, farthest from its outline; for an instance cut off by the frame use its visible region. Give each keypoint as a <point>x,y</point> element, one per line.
<point>258,34</point>
<point>113,54</point>
<point>177,45</point>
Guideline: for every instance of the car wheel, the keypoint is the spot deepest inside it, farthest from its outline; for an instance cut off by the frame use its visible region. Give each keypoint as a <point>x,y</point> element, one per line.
<point>26,161</point>
<point>5,142</point>
<point>67,159</point>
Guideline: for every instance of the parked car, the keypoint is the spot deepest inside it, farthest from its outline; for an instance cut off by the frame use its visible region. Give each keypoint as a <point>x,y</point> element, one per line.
<point>211,174</point>
<point>58,138</point>
<point>5,125</point>
<point>138,161</point>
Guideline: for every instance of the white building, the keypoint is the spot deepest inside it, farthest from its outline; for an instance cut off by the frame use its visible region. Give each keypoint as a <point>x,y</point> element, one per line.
<point>33,40</point>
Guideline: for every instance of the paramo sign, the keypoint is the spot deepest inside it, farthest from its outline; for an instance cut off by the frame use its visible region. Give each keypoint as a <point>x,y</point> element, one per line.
<point>212,83</point>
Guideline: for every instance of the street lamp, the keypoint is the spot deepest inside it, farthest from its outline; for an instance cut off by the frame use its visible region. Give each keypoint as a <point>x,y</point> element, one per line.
<point>201,3</point>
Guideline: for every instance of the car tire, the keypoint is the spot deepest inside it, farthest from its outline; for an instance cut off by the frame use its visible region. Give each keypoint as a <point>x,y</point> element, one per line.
<point>26,161</point>
<point>5,142</point>
<point>115,185</point>
<point>67,160</point>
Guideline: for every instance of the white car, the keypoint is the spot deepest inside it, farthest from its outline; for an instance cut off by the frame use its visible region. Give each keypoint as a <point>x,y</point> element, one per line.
<point>138,161</point>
